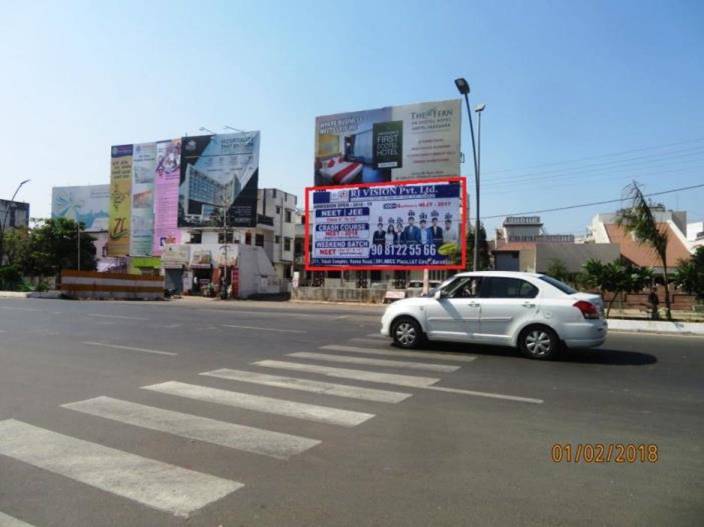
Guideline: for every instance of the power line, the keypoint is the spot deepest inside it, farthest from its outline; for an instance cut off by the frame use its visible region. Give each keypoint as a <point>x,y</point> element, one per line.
<point>588,158</point>
<point>581,205</point>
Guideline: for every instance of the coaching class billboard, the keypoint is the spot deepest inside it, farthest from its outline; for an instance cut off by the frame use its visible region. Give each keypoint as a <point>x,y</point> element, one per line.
<point>411,225</point>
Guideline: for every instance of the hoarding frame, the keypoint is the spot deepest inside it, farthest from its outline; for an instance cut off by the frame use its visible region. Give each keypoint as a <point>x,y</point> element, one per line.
<point>433,181</point>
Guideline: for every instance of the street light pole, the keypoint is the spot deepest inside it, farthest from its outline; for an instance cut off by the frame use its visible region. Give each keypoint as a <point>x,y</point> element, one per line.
<point>463,88</point>
<point>78,251</point>
<point>479,109</point>
<point>4,219</point>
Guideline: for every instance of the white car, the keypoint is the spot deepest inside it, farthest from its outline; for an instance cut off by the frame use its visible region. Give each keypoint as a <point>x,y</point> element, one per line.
<point>534,312</point>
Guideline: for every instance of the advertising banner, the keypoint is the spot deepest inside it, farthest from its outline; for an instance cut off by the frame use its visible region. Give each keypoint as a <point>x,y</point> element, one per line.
<point>411,225</point>
<point>88,205</point>
<point>415,141</point>
<point>120,200</point>
<point>166,179</point>
<point>218,182</point>
<point>142,221</point>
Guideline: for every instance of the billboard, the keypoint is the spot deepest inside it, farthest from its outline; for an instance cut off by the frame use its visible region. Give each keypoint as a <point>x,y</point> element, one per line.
<point>415,141</point>
<point>418,224</point>
<point>219,176</point>
<point>166,179</point>
<point>120,200</point>
<point>142,220</point>
<point>87,204</point>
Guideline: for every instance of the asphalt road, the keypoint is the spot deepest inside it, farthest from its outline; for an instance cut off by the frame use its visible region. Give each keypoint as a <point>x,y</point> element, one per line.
<point>460,437</point>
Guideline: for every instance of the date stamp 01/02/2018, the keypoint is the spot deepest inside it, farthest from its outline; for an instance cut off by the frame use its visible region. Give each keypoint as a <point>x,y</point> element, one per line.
<point>604,453</point>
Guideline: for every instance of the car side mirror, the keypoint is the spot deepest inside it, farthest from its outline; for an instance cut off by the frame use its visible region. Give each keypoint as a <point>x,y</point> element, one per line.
<point>439,294</point>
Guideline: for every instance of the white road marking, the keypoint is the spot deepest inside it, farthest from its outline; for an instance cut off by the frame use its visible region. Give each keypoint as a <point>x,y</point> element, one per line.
<point>3,331</point>
<point>247,438</point>
<point>375,362</point>
<point>258,403</point>
<point>129,348</point>
<point>9,521</point>
<point>458,357</point>
<point>344,373</point>
<point>159,485</point>
<point>114,316</point>
<point>171,325</point>
<point>487,394</point>
<point>12,308</point>
<point>266,329</point>
<point>305,385</point>
<point>378,336</point>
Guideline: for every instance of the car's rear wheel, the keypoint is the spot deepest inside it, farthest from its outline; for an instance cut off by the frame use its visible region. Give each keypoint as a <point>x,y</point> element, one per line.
<point>407,333</point>
<point>539,342</point>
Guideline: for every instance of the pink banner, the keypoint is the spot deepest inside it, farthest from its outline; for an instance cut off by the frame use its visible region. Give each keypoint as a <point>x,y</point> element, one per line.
<point>166,181</point>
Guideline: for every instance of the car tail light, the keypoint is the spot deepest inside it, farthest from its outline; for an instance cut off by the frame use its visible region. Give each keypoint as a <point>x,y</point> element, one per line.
<point>588,309</point>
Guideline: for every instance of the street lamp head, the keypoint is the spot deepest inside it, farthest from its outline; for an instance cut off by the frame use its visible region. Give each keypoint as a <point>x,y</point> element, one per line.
<point>462,86</point>
<point>25,181</point>
<point>480,108</point>
<point>227,127</point>
<point>204,129</point>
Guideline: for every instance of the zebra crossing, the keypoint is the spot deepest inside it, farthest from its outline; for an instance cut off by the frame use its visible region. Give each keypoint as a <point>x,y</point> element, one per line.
<point>182,491</point>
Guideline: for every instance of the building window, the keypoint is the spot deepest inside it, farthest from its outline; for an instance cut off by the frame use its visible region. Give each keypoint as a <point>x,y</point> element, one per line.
<point>196,237</point>
<point>277,239</point>
<point>278,210</point>
<point>287,244</point>
<point>288,216</point>
<point>222,238</point>
<point>259,240</point>
<point>248,238</point>
<point>273,192</point>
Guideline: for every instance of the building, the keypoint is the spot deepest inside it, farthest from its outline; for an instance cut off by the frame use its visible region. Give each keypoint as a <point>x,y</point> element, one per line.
<point>523,245</point>
<point>604,229</point>
<point>695,235</point>
<point>13,214</point>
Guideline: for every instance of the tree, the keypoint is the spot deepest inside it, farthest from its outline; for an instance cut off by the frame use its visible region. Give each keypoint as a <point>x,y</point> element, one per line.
<point>689,274</point>
<point>558,270</point>
<point>616,277</point>
<point>638,220</point>
<point>483,249</point>
<point>53,245</point>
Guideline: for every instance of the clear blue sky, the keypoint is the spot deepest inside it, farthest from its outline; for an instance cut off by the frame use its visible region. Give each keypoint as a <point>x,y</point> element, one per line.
<point>562,81</point>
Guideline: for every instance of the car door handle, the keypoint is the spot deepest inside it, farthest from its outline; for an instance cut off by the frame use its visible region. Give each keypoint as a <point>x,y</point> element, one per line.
<point>473,304</point>
<point>528,304</point>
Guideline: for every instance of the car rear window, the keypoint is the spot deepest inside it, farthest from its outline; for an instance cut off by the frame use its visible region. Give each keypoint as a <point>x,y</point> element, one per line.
<point>502,287</point>
<point>560,285</point>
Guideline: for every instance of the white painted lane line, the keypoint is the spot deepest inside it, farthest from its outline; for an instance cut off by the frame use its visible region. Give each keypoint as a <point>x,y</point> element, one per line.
<point>258,403</point>
<point>258,328</point>
<point>152,483</point>
<point>114,316</point>
<point>378,336</point>
<point>487,394</point>
<point>13,308</point>
<point>247,438</point>
<point>375,362</point>
<point>3,331</point>
<point>390,352</point>
<point>129,348</point>
<point>345,373</point>
<point>305,385</point>
<point>9,521</point>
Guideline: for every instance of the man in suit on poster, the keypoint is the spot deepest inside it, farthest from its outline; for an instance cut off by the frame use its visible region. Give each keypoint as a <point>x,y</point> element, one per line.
<point>411,234</point>
<point>435,229</point>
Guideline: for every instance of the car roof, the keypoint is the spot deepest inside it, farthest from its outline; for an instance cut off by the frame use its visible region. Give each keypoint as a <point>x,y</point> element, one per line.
<point>505,274</point>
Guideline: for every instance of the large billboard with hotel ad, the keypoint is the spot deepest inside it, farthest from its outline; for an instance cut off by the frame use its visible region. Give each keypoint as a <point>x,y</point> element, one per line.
<point>414,141</point>
<point>418,224</point>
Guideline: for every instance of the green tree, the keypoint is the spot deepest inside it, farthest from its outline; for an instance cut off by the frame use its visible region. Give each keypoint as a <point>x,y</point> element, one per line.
<point>483,249</point>
<point>557,269</point>
<point>53,246</point>
<point>616,277</point>
<point>638,220</point>
<point>689,274</point>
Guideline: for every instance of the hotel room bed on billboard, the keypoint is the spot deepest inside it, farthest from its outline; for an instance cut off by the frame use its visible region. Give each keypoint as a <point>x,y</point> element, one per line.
<point>339,172</point>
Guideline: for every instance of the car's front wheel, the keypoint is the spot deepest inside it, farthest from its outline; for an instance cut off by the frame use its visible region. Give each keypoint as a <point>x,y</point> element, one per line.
<point>407,333</point>
<point>539,342</point>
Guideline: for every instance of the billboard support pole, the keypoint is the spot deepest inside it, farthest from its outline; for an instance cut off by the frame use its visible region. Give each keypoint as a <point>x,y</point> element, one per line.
<point>78,243</point>
<point>426,281</point>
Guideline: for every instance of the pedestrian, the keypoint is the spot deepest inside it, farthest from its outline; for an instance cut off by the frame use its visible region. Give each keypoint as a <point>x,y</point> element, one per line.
<point>654,301</point>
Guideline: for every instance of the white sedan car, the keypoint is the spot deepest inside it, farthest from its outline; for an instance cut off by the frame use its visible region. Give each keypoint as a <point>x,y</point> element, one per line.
<point>533,312</point>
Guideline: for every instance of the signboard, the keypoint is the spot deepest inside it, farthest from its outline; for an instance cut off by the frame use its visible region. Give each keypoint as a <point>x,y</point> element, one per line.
<point>166,179</point>
<point>87,204</point>
<point>411,225</point>
<point>142,220</point>
<point>175,256</point>
<point>120,200</point>
<point>219,176</point>
<point>415,141</point>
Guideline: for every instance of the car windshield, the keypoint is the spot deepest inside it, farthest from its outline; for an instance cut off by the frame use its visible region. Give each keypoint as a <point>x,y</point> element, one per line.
<point>558,284</point>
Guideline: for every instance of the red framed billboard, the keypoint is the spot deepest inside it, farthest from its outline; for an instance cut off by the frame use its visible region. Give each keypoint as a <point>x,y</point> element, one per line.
<point>397,225</point>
